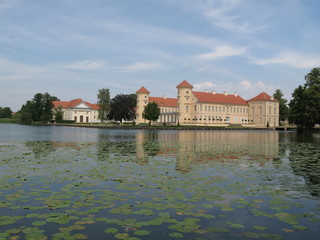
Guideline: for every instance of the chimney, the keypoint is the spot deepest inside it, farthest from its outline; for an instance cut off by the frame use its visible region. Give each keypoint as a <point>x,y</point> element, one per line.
<point>236,94</point>
<point>164,97</point>
<point>271,98</point>
<point>206,91</point>
<point>213,92</point>
<point>225,93</point>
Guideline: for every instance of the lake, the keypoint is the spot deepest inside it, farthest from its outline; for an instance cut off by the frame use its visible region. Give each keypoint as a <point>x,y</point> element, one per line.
<point>78,183</point>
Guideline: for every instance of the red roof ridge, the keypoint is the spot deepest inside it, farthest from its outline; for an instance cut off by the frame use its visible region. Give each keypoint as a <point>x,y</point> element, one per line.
<point>206,97</point>
<point>263,96</point>
<point>184,84</point>
<point>73,103</point>
<point>164,101</point>
<point>143,90</point>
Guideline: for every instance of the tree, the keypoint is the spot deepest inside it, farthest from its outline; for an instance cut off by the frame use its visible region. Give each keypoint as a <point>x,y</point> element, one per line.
<point>151,112</point>
<point>283,108</point>
<point>47,107</point>
<point>5,112</point>
<point>313,78</point>
<point>304,106</point>
<point>58,114</point>
<point>123,107</point>
<point>38,109</point>
<point>104,104</point>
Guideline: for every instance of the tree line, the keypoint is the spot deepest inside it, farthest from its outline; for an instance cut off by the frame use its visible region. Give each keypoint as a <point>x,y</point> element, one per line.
<point>41,109</point>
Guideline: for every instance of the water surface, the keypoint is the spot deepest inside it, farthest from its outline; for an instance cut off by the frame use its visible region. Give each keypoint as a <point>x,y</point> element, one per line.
<point>75,183</point>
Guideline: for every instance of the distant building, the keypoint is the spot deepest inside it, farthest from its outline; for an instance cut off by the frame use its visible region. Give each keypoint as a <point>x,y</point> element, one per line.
<point>78,110</point>
<point>211,108</point>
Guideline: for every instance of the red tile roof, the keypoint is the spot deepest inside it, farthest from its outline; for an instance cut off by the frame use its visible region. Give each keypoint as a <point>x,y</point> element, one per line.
<point>62,104</point>
<point>93,106</point>
<point>263,96</point>
<point>184,84</point>
<point>143,90</point>
<point>208,97</point>
<point>73,103</point>
<point>164,102</point>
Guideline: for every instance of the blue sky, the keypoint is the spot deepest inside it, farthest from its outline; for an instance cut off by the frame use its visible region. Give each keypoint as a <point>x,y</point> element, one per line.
<point>72,48</point>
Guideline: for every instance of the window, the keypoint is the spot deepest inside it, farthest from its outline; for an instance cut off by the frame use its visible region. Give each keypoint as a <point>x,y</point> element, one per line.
<point>219,109</point>
<point>252,110</point>
<point>269,110</point>
<point>200,108</point>
<point>187,92</point>
<point>275,110</point>
<point>224,109</point>
<point>195,108</point>
<point>205,108</point>
<point>187,108</point>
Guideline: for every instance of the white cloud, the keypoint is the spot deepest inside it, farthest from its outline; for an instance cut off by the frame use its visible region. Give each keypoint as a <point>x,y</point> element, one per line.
<point>251,89</point>
<point>220,52</point>
<point>233,15</point>
<point>293,59</point>
<point>86,65</point>
<point>15,70</point>
<point>204,86</point>
<point>139,66</point>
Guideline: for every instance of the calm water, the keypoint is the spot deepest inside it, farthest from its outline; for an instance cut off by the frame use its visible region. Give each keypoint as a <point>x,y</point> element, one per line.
<point>75,183</point>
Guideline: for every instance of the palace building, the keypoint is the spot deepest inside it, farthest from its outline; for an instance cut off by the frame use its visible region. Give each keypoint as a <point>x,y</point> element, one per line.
<point>211,108</point>
<point>78,110</point>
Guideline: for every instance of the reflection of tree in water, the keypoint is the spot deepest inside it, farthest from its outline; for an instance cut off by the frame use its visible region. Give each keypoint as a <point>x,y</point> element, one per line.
<point>305,161</point>
<point>40,148</point>
<point>112,146</point>
<point>151,143</point>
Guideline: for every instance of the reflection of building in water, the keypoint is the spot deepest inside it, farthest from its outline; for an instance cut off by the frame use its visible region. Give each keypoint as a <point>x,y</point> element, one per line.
<point>191,147</point>
<point>141,155</point>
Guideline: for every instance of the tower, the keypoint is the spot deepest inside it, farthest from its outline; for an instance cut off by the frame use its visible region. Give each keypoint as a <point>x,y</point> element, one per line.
<point>185,105</point>
<point>142,101</point>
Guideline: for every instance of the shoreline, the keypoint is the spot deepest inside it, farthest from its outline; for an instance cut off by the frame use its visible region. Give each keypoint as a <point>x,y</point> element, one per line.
<point>202,128</point>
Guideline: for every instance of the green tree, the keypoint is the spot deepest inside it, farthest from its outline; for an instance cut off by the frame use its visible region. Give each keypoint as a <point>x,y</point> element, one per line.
<point>104,104</point>
<point>313,77</point>
<point>151,112</point>
<point>123,107</point>
<point>38,109</point>
<point>283,107</point>
<point>5,112</point>
<point>58,114</point>
<point>304,106</point>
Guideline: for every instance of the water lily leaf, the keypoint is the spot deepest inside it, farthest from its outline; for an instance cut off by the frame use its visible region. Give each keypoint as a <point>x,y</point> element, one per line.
<point>262,228</point>
<point>141,232</point>
<point>39,223</point>
<point>176,235</point>
<point>121,235</point>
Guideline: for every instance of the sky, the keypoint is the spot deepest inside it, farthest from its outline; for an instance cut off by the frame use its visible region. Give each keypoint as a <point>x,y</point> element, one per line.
<point>73,48</point>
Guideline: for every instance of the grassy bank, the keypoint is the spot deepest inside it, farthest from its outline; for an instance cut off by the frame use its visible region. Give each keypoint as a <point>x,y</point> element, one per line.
<point>9,120</point>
